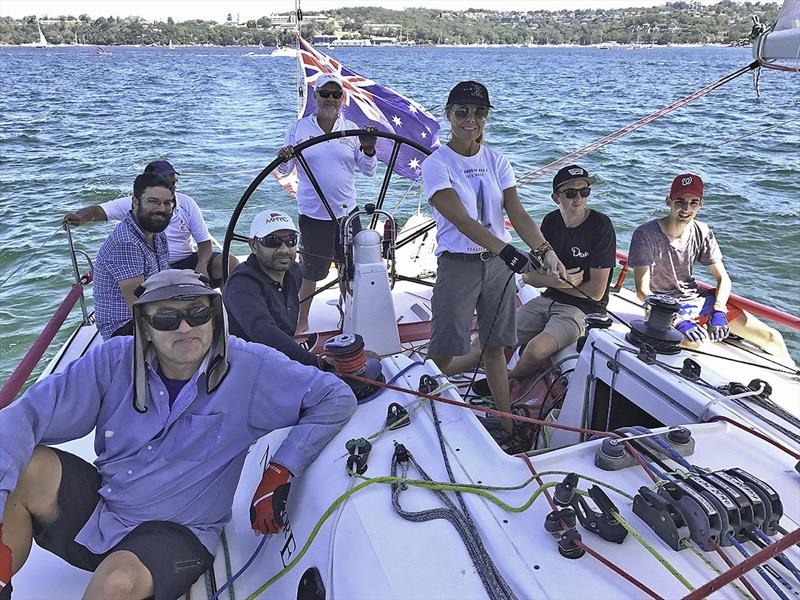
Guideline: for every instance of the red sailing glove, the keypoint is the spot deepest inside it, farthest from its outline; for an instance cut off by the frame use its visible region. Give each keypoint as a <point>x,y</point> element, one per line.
<point>5,568</point>
<point>268,508</point>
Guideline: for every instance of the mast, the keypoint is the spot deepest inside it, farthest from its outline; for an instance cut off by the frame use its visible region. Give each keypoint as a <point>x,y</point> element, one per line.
<point>300,75</point>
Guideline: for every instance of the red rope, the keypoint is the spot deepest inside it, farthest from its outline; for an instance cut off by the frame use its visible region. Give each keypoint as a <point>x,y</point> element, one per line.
<point>612,137</point>
<point>731,565</point>
<point>746,565</point>
<point>756,433</point>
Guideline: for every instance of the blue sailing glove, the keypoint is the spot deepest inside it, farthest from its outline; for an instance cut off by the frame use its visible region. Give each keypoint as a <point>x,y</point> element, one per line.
<point>717,326</point>
<point>691,331</point>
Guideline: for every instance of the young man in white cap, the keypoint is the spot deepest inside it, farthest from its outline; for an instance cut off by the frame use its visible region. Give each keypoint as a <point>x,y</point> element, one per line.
<point>262,295</point>
<point>171,436</point>
<point>333,164</point>
<point>186,224</point>
<point>663,253</point>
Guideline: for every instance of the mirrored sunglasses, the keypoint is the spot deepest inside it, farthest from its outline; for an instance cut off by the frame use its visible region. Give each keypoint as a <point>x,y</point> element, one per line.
<point>170,320</point>
<point>463,112</point>
<point>275,241</point>
<point>572,193</point>
<point>328,93</point>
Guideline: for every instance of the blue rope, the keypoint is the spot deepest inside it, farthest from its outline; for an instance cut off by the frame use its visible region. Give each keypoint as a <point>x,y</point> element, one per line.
<point>244,568</point>
<point>759,570</point>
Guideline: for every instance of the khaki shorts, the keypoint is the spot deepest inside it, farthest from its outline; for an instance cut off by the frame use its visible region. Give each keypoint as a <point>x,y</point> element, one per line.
<point>464,287</point>
<point>562,321</point>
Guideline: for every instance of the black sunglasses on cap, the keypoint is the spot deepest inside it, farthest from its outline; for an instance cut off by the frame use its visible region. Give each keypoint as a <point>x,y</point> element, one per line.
<point>171,319</point>
<point>328,93</point>
<point>573,193</point>
<point>275,241</point>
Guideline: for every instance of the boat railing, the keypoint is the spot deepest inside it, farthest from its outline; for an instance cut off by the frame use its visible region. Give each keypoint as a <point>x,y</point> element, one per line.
<point>34,354</point>
<point>751,306</point>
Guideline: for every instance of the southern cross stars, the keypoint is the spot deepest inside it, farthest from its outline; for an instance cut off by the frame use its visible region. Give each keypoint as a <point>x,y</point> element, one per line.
<point>396,120</point>
<point>413,164</point>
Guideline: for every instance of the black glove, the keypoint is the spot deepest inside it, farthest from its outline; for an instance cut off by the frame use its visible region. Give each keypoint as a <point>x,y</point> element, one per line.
<point>368,141</point>
<point>534,264</point>
<point>515,259</point>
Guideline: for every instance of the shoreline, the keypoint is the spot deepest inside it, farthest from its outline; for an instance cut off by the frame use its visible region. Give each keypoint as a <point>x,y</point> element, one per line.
<point>601,46</point>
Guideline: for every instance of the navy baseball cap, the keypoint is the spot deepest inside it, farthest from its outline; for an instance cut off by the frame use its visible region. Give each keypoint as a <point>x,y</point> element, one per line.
<point>569,173</point>
<point>160,167</point>
<point>469,92</point>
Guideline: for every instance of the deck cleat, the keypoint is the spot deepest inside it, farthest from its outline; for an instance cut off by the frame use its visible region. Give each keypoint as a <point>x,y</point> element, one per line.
<point>566,490</point>
<point>755,501</point>
<point>396,417</point>
<point>730,520</point>
<point>772,501</point>
<point>691,369</point>
<point>554,519</point>
<point>701,517</point>
<point>427,384</point>
<point>602,522</point>
<point>743,505</point>
<point>663,517</point>
<point>359,449</point>
<point>568,544</point>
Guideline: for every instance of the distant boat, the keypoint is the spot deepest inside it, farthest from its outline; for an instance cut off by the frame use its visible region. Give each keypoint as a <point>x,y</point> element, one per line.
<point>171,47</point>
<point>101,51</point>
<point>284,52</point>
<point>602,46</point>
<point>42,42</point>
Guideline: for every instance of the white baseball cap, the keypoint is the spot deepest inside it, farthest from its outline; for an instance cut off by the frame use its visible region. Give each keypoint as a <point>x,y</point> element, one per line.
<point>268,221</point>
<point>327,78</point>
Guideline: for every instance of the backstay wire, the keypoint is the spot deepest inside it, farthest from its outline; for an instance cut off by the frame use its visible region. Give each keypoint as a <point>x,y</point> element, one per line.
<point>531,176</point>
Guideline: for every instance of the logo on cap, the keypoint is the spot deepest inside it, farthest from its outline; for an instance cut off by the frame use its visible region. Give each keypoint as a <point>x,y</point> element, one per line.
<point>577,171</point>
<point>275,217</point>
<point>686,181</point>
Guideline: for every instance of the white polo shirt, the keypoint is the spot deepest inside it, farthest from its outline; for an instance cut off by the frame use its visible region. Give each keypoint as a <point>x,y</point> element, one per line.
<point>332,163</point>
<point>187,223</point>
<point>479,182</point>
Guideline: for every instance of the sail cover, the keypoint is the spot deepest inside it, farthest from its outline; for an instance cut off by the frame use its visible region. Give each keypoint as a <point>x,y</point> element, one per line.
<point>782,43</point>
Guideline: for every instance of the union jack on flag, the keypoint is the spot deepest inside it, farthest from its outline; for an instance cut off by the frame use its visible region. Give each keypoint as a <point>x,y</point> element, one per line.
<point>369,103</point>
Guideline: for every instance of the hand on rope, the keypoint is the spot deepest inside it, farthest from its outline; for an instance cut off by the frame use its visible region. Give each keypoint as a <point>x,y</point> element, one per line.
<point>5,568</point>
<point>268,508</point>
<point>692,331</point>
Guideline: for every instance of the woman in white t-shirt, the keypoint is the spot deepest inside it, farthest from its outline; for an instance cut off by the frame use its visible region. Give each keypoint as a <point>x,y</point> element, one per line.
<point>469,186</point>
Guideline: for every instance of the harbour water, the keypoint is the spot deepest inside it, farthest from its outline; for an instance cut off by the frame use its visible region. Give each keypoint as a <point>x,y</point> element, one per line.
<point>77,127</point>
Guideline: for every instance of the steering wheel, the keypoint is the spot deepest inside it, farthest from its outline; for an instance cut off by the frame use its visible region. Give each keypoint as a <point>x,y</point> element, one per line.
<point>412,150</point>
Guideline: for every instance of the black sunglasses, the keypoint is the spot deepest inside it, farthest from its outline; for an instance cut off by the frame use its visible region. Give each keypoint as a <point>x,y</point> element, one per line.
<point>275,241</point>
<point>328,93</point>
<point>170,320</point>
<point>572,193</point>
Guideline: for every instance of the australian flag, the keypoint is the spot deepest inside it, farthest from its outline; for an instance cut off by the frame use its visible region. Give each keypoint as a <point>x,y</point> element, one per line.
<point>367,103</point>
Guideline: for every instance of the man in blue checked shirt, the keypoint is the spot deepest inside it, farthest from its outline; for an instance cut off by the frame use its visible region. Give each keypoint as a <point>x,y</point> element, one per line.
<point>136,249</point>
<point>171,436</point>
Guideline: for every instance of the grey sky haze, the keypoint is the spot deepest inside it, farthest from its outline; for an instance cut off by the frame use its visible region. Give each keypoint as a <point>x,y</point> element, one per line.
<point>214,10</point>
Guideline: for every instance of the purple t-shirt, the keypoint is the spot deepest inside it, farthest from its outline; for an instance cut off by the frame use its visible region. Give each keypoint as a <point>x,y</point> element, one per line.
<point>671,262</point>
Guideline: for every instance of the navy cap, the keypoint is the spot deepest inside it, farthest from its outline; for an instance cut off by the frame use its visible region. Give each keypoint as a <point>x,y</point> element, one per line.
<point>469,92</point>
<point>569,173</point>
<point>160,167</point>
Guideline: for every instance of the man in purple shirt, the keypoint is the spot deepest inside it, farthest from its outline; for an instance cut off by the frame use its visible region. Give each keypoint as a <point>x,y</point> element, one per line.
<point>171,437</point>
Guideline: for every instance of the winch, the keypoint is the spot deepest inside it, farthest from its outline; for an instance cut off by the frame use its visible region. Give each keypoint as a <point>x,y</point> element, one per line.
<point>656,330</point>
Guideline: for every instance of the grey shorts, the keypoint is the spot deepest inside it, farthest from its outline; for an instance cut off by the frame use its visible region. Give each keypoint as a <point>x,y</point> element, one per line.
<point>320,245</point>
<point>562,321</point>
<point>171,552</point>
<point>462,287</point>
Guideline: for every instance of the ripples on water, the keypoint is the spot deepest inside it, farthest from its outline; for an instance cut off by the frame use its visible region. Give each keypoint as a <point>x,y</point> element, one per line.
<point>76,129</point>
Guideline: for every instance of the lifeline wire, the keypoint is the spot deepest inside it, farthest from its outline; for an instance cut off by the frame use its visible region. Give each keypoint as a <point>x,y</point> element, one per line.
<point>30,258</point>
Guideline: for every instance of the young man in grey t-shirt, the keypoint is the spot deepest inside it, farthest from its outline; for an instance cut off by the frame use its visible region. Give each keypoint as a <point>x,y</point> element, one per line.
<point>662,254</point>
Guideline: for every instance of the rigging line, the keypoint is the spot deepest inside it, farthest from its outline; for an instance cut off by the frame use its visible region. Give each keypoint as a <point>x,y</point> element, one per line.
<point>752,133</point>
<point>604,141</point>
<point>731,565</point>
<point>759,569</point>
<point>701,555</point>
<point>30,258</point>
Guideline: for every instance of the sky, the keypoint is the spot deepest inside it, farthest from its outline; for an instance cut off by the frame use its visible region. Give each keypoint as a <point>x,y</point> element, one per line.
<point>214,10</point>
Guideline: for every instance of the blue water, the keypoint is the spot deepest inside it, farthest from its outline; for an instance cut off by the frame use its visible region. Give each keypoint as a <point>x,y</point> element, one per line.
<point>76,129</point>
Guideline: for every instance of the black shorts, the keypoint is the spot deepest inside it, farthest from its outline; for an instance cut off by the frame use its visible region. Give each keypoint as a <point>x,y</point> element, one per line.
<point>171,552</point>
<point>320,244</point>
<point>190,262</point>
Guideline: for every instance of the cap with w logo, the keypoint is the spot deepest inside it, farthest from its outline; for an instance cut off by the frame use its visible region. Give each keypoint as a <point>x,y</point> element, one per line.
<point>686,183</point>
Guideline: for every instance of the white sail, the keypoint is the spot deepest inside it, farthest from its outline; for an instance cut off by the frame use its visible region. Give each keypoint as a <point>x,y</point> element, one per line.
<point>42,40</point>
<point>783,42</point>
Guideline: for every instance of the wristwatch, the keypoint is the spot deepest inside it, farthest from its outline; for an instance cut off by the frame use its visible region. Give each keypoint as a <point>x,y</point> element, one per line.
<point>541,250</point>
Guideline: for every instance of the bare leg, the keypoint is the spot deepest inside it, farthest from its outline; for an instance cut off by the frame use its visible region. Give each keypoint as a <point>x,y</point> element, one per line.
<point>754,330</point>
<point>494,359</point>
<point>536,352</point>
<point>306,289</point>
<point>440,360</point>
<point>466,362</point>
<point>215,265</point>
<point>121,575</point>
<point>36,496</point>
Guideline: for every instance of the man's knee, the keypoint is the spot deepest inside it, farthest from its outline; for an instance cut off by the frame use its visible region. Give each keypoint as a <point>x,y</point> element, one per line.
<point>41,477</point>
<point>440,360</point>
<point>494,352</point>
<point>121,575</point>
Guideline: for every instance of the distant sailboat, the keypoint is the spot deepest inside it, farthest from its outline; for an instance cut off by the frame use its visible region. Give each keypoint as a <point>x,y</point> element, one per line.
<point>171,47</point>
<point>42,43</point>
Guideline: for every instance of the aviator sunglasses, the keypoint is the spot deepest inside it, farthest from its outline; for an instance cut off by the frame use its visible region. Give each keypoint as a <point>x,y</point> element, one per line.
<point>463,112</point>
<point>275,241</point>
<point>170,320</point>
<point>328,93</point>
<point>572,193</point>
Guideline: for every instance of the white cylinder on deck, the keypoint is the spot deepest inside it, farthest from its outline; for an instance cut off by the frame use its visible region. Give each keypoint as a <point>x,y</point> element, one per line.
<point>367,247</point>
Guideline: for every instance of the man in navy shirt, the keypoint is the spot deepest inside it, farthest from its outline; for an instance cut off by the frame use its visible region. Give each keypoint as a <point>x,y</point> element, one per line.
<point>262,295</point>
